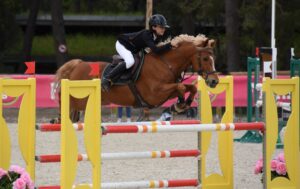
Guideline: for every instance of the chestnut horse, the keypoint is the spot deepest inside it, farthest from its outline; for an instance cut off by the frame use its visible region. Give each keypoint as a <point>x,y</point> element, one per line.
<point>160,75</point>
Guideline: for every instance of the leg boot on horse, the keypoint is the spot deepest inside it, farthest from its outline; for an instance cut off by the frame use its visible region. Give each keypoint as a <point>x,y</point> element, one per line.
<point>113,76</point>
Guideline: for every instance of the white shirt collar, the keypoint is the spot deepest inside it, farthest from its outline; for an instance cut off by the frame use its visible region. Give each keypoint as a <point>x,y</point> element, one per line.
<point>154,37</point>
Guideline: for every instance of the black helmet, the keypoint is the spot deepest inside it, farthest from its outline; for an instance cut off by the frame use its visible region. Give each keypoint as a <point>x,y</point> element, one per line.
<point>158,19</point>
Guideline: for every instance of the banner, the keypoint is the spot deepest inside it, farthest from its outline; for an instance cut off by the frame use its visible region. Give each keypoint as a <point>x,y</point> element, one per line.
<point>47,97</point>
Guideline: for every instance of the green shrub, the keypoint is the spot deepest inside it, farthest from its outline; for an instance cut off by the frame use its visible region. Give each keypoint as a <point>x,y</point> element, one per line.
<point>78,45</point>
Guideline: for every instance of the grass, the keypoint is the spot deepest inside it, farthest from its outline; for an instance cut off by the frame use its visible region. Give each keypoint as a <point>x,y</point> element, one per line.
<point>78,45</point>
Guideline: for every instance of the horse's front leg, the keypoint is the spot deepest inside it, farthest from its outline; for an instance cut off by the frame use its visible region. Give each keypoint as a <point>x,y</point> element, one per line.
<point>179,90</point>
<point>174,90</point>
<point>193,90</point>
<point>182,103</point>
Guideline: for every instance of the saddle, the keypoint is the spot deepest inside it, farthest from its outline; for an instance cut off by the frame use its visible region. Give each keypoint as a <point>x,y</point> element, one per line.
<point>131,75</point>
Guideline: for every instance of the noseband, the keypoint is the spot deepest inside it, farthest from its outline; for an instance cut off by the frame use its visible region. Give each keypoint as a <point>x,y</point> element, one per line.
<point>200,72</point>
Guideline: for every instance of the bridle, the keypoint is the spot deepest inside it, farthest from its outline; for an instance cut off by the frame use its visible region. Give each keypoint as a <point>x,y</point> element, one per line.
<point>205,74</point>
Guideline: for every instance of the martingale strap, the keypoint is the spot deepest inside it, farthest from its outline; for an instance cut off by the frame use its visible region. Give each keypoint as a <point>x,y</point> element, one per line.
<point>139,101</point>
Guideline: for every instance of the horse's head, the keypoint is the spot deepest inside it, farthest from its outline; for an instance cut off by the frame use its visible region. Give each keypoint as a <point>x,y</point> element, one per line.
<point>199,51</point>
<point>203,62</point>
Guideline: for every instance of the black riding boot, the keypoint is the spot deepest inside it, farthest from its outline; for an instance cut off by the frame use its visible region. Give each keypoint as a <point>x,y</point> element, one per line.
<point>107,81</point>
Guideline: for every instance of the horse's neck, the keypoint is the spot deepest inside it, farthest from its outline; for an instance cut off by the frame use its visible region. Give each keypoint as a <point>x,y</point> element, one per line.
<point>181,57</point>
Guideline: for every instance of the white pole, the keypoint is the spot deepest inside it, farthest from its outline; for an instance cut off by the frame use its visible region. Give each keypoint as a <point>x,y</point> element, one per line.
<point>292,52</point>
<point>149,5</point>
<point>274,50</point>
<point>273,25</point>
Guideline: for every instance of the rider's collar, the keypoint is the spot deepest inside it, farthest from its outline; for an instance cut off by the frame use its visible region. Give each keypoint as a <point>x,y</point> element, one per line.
<point>154,36</point>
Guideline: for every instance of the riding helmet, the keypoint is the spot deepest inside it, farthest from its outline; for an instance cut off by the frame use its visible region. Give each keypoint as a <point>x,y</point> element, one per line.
<point>158,19</point>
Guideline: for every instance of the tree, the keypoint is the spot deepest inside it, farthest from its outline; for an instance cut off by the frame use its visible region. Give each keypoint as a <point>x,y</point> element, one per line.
<point>287,31</point>
<point>9,31</point>
<point>189,9</point>
<point>29,34</point>
<point>256,28</point>
<point>185,15</point>
<point>59,32</point>
<point>232,35</point>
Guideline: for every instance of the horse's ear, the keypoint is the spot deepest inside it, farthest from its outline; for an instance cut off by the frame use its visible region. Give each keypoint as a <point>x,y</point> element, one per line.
<point>205,42</point>
<point>211,43</point>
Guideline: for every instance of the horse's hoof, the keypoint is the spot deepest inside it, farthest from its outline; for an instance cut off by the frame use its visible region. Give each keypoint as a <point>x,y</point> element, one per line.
<point>165,117</point>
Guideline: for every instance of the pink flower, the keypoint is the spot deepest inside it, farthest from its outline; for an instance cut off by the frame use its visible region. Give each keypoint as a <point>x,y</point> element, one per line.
<point>260,162</point>
<point>280,157</point>
<point>30,185</point>
<point>25,176</point>
<point>274,164</point>
<point>258,167</point>
<point>16,169</point>
<point>2,173</point>
<point>281,168</point>
<point>19,184</point>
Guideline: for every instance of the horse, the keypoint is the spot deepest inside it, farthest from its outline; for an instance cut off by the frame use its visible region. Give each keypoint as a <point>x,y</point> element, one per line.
<point>160,76</point>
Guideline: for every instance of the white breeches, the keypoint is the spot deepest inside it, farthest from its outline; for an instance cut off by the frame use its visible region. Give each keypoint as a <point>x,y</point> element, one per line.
<point>125,54</point>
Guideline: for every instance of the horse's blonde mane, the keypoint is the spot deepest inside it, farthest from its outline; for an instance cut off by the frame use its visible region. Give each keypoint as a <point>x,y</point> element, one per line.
<point>198,40</point>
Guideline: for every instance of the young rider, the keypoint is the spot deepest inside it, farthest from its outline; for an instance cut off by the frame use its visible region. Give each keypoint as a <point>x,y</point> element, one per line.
<point>131,43</point>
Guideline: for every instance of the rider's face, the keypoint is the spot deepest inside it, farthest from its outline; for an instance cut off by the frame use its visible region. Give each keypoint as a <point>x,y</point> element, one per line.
<point>159,30</point>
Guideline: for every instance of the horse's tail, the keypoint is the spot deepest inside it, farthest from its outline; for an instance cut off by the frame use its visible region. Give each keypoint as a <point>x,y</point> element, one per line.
<point>65,71</point>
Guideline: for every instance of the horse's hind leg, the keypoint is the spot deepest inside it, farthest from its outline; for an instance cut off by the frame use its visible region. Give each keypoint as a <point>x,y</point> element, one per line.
<point>57,120</point>
<point>75,116</point>
<point>77,105</point>
<point>144,115</point>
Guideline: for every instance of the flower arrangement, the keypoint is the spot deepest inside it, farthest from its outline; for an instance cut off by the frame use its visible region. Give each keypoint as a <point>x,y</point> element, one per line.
<point>278,167</point>
<point>15,178</point>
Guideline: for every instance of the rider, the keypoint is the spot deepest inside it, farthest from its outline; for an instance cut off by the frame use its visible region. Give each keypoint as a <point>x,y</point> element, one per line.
<point>131,43</point>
